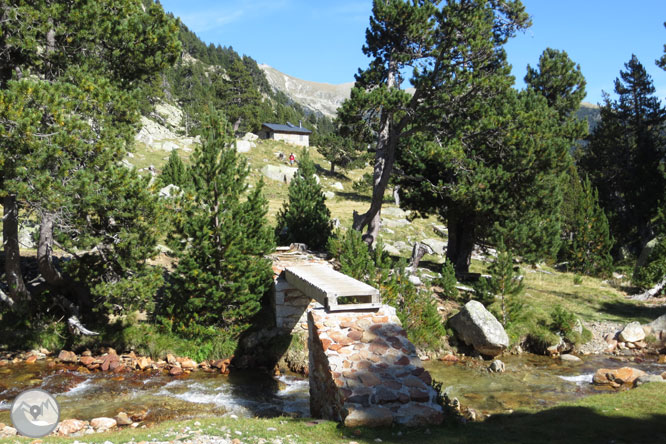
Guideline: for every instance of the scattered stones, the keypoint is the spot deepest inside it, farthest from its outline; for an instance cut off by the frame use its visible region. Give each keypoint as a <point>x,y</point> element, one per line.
<point>67,356</point>
<point>570,358</point>
<point>477,327</point>
<point>632,332</point>
<point>170,190</point>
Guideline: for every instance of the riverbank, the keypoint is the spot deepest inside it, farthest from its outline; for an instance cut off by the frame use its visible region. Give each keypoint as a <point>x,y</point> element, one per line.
<point>635,416</point>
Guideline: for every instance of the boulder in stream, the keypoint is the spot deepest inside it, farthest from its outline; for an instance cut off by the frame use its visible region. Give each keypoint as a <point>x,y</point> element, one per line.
<point>477,327</point>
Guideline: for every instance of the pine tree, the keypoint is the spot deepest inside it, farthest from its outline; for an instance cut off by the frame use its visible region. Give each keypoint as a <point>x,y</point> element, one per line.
<point>624,158</point>
<point>221,238</point>
<point>339,151</point>
<point>239,97</point>
<point>455,53</point>
<point>497,176</point>
<point>304,217</point>
<point>68,118</point>
<point>174,171</point>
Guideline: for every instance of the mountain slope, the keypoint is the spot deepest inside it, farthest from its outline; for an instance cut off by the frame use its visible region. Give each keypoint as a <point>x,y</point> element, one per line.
<point>322,97</point>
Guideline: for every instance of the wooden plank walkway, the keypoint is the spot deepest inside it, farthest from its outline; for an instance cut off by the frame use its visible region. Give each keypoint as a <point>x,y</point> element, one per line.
<point>331,288</point>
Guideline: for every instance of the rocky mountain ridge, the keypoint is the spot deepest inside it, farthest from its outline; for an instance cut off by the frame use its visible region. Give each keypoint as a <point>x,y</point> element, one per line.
<point>316,97</point>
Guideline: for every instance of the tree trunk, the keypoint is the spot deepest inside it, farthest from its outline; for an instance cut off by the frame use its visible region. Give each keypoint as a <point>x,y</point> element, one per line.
<point>17,289</point>
<point>45,252</point>
<point>384,159</point>
<point>460,245</point>
<point>332,167</point>
<point>396,195</point>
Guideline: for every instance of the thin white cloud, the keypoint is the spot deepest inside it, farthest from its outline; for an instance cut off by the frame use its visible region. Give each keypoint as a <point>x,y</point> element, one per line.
<point>227,12</point>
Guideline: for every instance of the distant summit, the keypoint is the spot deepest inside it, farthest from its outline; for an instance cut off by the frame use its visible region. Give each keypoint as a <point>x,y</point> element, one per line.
<point>316,97</point>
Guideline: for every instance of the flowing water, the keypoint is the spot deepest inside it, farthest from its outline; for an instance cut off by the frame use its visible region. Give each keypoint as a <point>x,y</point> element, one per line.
<point>157,396</point>
<point>529,382</point>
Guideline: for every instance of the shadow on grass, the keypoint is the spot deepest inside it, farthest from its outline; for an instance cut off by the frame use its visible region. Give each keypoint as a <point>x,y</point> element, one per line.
<point>633,311</point>
<point>327,172</point>
<point>569,425</point>
<point>357,197</point>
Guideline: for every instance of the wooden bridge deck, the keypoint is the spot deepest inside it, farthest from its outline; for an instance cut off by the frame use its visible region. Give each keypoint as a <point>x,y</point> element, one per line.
<point>334,290</point>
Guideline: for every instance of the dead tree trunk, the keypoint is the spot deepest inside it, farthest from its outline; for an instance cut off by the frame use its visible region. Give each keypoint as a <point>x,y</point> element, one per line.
<point>418,252</point>
<point>650,293</point>
<point>47,268</point>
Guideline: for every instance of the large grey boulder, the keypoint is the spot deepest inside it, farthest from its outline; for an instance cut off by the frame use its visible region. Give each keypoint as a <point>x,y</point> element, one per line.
<point>632,332</point>
<point>658,324</point>
<point>281,173</point>
<point>477,327</point>
<point>438,246</point>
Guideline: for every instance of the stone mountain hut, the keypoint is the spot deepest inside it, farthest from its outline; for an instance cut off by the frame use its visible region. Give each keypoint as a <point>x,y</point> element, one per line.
<point>290,133</point>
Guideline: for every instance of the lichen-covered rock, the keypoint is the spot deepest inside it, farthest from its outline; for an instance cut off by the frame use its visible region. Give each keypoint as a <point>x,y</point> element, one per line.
<point>632,332</point>
<point>477,327</point>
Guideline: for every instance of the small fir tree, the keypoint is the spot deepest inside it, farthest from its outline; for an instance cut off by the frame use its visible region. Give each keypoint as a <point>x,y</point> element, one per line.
<point>448,281</point>
<point>591,243</point>
<point>505,283</point>
<point>305,217</point>
<point>174,171</point>
<point>221,237</point>
<point>353,254</point>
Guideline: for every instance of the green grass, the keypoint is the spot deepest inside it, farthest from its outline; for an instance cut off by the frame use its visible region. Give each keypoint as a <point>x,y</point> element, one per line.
<point>635,416</point>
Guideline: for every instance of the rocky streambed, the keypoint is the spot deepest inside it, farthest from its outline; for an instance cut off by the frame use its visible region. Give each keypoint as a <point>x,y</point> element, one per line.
<point>135,397</point>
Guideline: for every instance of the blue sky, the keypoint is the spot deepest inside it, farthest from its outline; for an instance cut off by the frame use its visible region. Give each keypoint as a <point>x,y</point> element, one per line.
<point>321,40</point>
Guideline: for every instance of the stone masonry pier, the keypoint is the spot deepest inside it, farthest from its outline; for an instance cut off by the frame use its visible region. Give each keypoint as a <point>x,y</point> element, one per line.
<point>364,370</point>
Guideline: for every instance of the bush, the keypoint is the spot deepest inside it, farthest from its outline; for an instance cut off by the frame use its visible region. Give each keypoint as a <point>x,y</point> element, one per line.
<point>655,269</point>
<point>415,308</point>
<point>353,254</point>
